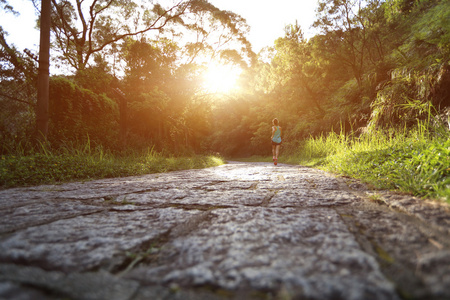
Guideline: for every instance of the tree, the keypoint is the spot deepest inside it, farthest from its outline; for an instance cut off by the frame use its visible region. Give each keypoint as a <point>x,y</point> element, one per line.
<point>42,115</point>
<point>82,30</point>
<point>293,71</point>
<point>17,95</point>
<point>43,70</point>
<point>80,115</point>
<point>18,68</point>
<point>149,66</point>
<point>345,32</point>
<point>18,75</point>
<point>7,7</point>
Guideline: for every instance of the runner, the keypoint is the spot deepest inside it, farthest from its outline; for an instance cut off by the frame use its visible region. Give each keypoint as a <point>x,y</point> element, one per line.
<point>276,140</point>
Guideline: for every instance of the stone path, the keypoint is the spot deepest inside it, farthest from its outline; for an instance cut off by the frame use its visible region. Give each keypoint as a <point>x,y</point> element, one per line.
<point>238,231</point>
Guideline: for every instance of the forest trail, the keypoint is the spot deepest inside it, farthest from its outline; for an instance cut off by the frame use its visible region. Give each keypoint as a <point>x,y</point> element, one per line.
<point>238,231</point>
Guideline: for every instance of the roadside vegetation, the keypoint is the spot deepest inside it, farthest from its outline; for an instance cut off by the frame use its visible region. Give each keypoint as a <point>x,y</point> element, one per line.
<point>82,163</point>
<point>416,161</point>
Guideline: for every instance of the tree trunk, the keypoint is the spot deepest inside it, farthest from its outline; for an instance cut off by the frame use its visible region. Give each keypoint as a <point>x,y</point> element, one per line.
<point>42,115</point>
<point>123,110</point>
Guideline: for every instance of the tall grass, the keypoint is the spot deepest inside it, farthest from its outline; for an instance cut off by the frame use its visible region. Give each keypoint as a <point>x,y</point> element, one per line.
<point>416,161</point>
<point>83,162</point>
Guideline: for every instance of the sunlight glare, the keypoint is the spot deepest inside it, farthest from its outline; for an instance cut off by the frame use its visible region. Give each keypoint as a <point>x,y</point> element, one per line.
<point>221,78</point>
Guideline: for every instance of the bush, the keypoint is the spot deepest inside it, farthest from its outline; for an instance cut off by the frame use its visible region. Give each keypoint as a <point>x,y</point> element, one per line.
<point>77,114</point>
<point>84,163</point>
<point>414,161</point>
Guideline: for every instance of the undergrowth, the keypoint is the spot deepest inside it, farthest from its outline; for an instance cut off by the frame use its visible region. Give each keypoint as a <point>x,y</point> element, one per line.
<point>416,162</point>
<point>44,166</point>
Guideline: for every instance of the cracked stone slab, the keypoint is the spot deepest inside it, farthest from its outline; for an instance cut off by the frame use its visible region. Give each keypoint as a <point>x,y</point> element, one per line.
<point>99,285</point>
<point>410,253</point>
<point>289,176</point>
<point>201,197</point>
<point>86,242</point>
<point>310,198</point>
<point>108,188</point>
<point>267,249</point>
<point>37,213</point>
<point>433,212</point>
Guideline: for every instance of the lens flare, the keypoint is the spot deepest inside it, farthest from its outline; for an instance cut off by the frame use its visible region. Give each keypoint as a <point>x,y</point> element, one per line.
<point>221,78</point>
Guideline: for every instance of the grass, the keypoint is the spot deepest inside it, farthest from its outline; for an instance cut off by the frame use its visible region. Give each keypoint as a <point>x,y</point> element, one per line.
<point>415,162</point>
<point>83,163</point>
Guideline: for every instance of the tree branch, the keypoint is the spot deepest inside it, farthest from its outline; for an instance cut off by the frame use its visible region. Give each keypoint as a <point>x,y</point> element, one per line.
<point>16,99</point>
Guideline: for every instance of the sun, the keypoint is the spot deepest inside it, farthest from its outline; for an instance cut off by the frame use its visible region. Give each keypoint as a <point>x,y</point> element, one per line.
<point>221,78</point>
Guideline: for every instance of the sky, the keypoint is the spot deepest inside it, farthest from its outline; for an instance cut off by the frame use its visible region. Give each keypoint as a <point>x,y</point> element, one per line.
<point>20,29</point>
<point>267,19</point>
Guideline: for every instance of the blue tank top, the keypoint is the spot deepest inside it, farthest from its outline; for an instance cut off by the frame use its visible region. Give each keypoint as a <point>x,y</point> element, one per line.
<point>277,135</point>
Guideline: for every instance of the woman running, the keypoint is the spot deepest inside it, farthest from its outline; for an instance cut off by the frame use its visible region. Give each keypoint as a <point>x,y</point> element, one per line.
<point>276,140</point>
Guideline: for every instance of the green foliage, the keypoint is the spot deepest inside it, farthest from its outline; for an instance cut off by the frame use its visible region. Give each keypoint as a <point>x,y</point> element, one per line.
<point>146,114</point>
<point>409,97</point>
<point>413,162</point>
<point>78,113</point>
<point>259,139</point>
<point>346,27</point>
<point>86,163</point>
<point>431,33</point>
<point>95,78</point>
<point>425,35</point>
<point>16,123</point>
<point>149,64</point>
<point>231,133</point>
<point>18,75</point>
<point>395,9</point>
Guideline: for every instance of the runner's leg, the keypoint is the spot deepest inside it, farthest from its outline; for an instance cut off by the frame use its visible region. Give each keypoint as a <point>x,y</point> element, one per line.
<point>273,152</point>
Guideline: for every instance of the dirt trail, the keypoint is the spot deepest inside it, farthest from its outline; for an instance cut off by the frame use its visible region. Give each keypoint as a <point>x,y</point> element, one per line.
<point>238,231</point>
